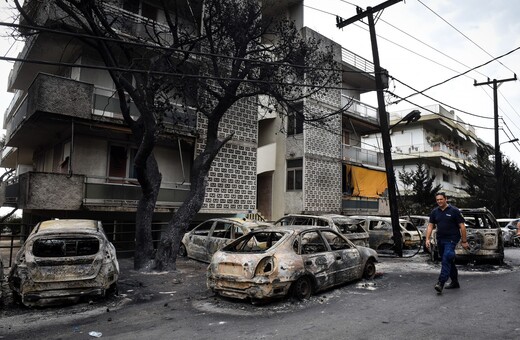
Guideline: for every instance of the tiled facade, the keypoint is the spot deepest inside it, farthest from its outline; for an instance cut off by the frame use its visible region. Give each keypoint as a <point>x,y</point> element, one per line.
<point>322,168</point>
<point>232,179</point>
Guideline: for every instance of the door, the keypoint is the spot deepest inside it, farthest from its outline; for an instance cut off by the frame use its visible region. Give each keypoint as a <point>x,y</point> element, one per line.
<point>347,260</point>
<point>317,259</point>
<point>198,241</point>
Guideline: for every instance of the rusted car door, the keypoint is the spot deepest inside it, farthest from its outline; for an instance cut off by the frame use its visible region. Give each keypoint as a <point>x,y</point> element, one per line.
<point>198,241</point>
<point>380,234</point>
<point>347,260</point>
<point>222,233</point>
<point>317,259</point>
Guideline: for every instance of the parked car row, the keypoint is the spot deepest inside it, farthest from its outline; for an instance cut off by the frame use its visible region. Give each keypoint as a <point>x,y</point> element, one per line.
<point>63,261</point>
<point>375,232</point>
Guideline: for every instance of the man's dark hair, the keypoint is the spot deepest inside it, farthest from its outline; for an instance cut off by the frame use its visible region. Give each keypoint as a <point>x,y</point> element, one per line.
<point>442,193</point>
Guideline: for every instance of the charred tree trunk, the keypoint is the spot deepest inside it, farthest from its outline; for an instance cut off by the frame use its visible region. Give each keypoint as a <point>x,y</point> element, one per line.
<point>150,180</point>
<point>171,239</point>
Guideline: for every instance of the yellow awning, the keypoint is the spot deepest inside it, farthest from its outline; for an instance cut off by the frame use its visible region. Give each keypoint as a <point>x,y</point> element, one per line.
<point>365,182</point>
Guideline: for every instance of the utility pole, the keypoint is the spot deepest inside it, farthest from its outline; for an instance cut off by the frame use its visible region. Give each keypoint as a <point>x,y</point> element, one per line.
<point>383,118</point>
<point>498,156</point>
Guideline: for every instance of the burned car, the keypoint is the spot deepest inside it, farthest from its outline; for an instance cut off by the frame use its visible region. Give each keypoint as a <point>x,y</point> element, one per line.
<point>62,261</point>
<point>484,237</point>
<point>211,235</point>
<point>350,227</point>
<point>381,233</point>
<point>1,278</point>
<point>297,260</point>
<point>509,229</point>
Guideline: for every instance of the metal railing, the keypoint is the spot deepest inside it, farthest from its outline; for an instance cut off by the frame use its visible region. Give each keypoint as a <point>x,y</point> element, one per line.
<point>359,155</point>
<point>356,61</point>
<point>360,109</point>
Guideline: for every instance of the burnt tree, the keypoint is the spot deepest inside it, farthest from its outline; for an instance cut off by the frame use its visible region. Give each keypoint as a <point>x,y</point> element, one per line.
<point>205,55</point>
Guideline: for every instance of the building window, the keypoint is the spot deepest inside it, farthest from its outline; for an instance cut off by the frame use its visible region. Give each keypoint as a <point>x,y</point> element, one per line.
<point>446,177</point>
<point>294,174</point>
<point>121,163</point>
<point>295,120</point>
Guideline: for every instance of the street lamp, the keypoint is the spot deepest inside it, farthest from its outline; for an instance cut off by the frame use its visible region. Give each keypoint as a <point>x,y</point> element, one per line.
<point>498,175</point>
<point>411,117</point>
<point>510,141</point>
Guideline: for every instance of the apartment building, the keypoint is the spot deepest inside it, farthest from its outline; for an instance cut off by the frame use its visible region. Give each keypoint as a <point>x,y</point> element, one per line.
<point>439,139</point>
<point>310,169</point>
<point>72,151</point>
<point>73,154</point>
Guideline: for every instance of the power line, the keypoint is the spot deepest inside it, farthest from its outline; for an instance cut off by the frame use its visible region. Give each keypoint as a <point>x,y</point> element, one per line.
<point>440,102</point>
<point>436,113</point>
<point>459,75</point>
<point>465,36</point>
<point>172,49</point>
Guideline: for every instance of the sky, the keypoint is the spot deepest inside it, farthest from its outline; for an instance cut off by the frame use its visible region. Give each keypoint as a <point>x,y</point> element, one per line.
<point>425,42</point>
<point>421,43</point>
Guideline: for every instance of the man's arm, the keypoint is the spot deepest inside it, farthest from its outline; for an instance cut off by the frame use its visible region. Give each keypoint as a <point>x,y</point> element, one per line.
<point>428,235</point>
<point>463,235</point>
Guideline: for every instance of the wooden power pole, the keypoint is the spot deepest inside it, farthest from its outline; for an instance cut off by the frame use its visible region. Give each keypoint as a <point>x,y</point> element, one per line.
<point>383,118</point>
<point>498,157</point>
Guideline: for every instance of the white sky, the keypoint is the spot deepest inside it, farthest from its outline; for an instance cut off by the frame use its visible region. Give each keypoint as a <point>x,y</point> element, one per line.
<point>493,25</point>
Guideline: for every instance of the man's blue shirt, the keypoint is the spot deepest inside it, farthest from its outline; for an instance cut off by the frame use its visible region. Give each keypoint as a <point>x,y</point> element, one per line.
<point>447,222</point>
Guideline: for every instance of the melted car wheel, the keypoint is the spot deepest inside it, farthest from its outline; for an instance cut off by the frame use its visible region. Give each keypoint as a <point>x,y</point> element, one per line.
<point>182,250</point>
<point>370,270</point>
<point>302,288</point>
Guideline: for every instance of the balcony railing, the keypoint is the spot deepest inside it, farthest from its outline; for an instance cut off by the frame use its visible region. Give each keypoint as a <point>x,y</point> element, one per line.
<point>126,192</point>
<point>357,61</point>
<point>364,156</point>
<point>433,147</point>
<point>360,109</point>
<point>38,190</point>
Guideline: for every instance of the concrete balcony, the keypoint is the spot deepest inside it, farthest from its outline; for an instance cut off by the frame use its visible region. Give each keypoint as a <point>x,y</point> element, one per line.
<point>47,94</point>
<point>266,160</point>
<point>354,154</point>
<point>360,110</point>
<point>51,95</point>
<point>434,149</point>
<point>52,191</point>
<point>363,75</point>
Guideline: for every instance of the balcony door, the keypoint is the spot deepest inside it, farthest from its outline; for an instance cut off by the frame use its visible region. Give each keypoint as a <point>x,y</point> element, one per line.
<point>120,164</point>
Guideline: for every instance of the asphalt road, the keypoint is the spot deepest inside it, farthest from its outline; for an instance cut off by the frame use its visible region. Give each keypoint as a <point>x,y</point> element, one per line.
<point>399,304</point>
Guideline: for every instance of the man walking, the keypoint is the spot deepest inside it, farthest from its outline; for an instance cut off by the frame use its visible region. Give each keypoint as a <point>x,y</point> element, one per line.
<point>450,228</point>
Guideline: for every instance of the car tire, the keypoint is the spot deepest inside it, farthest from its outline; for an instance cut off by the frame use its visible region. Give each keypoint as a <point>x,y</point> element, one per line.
<point>182,251</point>
<point>434,255</point>
<point>385,246</point>
<point>370,270</point>
<point>113,290</point>
<point>302,288</point>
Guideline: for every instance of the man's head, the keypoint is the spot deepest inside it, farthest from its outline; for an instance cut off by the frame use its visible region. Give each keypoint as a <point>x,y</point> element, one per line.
<point>441,199</point>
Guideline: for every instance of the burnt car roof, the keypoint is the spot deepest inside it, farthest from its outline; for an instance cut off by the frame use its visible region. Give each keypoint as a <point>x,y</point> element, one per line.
<point>63,226</point>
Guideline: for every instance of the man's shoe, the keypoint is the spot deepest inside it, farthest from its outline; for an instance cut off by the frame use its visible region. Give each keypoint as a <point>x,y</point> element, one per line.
<point>438,287</point>
<point>452,285</point>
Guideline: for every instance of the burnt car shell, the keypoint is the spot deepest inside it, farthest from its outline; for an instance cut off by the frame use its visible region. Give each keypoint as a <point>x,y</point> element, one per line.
<point>483,234</point>
<point>274,262</point>
<point>1,278</point>
<point>204,240</point>
<point>350,227</point>
<point>62,261</point>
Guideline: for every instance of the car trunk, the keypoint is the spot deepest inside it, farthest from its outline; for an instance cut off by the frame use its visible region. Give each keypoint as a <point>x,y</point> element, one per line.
<point>65,259</point>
